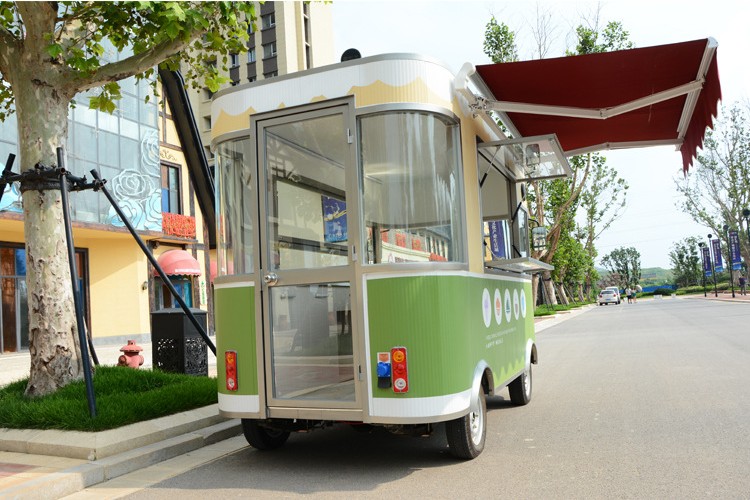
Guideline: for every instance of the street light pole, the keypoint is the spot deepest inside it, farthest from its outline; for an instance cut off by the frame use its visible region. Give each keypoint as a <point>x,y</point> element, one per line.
<point>703,267</point>
<point>713,269</point>
<point>746,215</point>
<point>729,259</point>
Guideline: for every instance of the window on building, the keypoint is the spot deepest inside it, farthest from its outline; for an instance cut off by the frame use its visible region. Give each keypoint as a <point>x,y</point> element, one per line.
<point>14,309</point>
<point>252,78</point>
<point>234,60</point>
<point>269,50</point>
<point>207,94</point>
<point>251,55</point>
<point>170,189</point>
<point>206,123</point>
<point>270,74</point>
<point>268,21</point>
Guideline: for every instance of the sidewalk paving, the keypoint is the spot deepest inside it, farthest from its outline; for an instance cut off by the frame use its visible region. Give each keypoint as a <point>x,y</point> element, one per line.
<point>51,464</point>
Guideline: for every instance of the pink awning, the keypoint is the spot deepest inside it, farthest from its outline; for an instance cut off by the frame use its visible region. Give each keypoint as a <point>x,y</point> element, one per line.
<point>178,262</point>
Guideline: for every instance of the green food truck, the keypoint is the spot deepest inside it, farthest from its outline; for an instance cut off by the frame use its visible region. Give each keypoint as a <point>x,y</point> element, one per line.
<point>373,251</point>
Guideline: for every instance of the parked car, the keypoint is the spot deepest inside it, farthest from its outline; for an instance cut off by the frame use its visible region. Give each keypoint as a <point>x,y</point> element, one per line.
<point>608,297</point>
<point>616,290</point>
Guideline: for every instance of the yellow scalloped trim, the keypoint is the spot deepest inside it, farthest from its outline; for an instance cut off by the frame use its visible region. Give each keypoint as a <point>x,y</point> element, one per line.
<point>379,92</point>
<point>226,123</point>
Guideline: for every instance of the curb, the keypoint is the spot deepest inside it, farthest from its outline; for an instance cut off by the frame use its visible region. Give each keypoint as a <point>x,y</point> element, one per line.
<point>556,318</point>
<point>156,447</point>
<point>97,445</point>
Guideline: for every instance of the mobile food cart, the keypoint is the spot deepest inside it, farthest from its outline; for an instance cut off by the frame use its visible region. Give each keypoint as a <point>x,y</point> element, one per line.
<point>373,251</point>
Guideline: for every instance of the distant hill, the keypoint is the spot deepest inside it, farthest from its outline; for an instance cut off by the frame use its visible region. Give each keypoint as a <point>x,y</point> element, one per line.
<point>649,275</point>
<point>656,276</point>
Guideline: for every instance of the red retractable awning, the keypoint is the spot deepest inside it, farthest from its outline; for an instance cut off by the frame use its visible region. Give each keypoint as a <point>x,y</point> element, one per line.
<point>178,262</point>
<point>667,94</point>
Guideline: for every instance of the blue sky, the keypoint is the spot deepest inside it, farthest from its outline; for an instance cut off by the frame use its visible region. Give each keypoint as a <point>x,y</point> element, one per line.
<point>453,31</point>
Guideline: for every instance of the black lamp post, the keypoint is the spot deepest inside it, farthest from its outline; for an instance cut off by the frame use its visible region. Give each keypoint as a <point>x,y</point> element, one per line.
<point>729,259</point>
<point>713,269</point>
<point>746,215</point>
<point>703,268</point>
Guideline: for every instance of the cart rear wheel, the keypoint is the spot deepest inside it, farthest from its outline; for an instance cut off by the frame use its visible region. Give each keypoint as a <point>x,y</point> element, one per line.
<point>263,438</point>
<point>520,388</point>
<point>466,435</point>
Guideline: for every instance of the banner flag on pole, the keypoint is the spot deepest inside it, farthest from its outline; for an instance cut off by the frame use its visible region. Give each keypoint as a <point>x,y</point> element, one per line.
<point>718,265</point>
<point>734,251</point>
<point>497,240</point>
<point>706,262</point>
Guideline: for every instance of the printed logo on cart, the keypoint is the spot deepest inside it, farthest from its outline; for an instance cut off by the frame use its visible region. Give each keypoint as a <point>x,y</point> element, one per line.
<point>498,301</point>
<point>516,305</point>
<point>486,308</point>
<point>523,305</point>
<point>507,306</point>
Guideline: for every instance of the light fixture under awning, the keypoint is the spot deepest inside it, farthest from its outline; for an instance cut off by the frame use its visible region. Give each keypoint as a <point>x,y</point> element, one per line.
<point>667,94</point>
<point>530,158</point>
<point>519,265</point>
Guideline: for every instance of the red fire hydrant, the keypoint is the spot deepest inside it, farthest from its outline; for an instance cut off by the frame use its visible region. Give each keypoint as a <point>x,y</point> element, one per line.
<point>130,355</point>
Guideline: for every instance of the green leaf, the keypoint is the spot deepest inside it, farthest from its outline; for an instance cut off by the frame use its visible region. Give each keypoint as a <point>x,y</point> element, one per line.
<point>172,30</point>
<point>7,15</point>
<point>54,50</point>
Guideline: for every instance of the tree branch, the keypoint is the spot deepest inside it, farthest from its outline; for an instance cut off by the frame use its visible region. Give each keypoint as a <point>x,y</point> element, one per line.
<point>8,44</point>
<point>133,65</point>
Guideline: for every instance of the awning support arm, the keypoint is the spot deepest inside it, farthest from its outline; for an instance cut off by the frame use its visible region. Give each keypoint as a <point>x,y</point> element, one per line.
<point>596,114</point>
<point>623,145</point>
<point>692,98</point>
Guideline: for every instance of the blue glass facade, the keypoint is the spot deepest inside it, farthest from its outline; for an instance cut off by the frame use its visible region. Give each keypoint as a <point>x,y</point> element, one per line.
<point>123,147</point>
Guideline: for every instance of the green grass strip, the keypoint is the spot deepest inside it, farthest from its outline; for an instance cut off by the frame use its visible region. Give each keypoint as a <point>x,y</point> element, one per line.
<point>123,396</point>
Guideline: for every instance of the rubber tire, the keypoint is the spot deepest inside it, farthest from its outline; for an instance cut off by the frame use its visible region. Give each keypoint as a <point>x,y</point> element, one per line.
<point>459,431</point>
<point>263,438</point>
<point>521,388</point>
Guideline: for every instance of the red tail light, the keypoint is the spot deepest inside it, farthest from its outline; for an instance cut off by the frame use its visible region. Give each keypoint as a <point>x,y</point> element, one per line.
<point>230,364</point>
<point>400,371</point>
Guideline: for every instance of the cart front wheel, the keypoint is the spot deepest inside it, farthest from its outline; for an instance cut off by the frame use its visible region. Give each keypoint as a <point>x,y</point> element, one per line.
<point>520,388</point>
<point>466,435</point>
<point>263,438</point>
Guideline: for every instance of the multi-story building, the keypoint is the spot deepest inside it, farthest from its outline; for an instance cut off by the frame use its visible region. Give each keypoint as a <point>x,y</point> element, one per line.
<point>287,37</point>
<point>156,168</point>
<point>139,151</point>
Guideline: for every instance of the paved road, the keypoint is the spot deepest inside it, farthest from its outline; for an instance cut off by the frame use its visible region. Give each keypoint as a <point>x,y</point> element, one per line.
<point>648,400</point>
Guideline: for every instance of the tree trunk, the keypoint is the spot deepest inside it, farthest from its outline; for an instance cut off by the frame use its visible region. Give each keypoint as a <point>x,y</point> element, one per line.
<point>535,290</point>
<point>550,288</point>
<point>563,295</point>
<point>53,344</point>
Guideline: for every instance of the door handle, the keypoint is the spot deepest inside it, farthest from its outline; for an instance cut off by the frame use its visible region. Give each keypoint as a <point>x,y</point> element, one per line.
<point>271,278</point>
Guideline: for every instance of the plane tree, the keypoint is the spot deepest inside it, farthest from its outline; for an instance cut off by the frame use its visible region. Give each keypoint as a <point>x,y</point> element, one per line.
<point>717,190</point>
<point>593,186</point>
<point>49,53</point>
